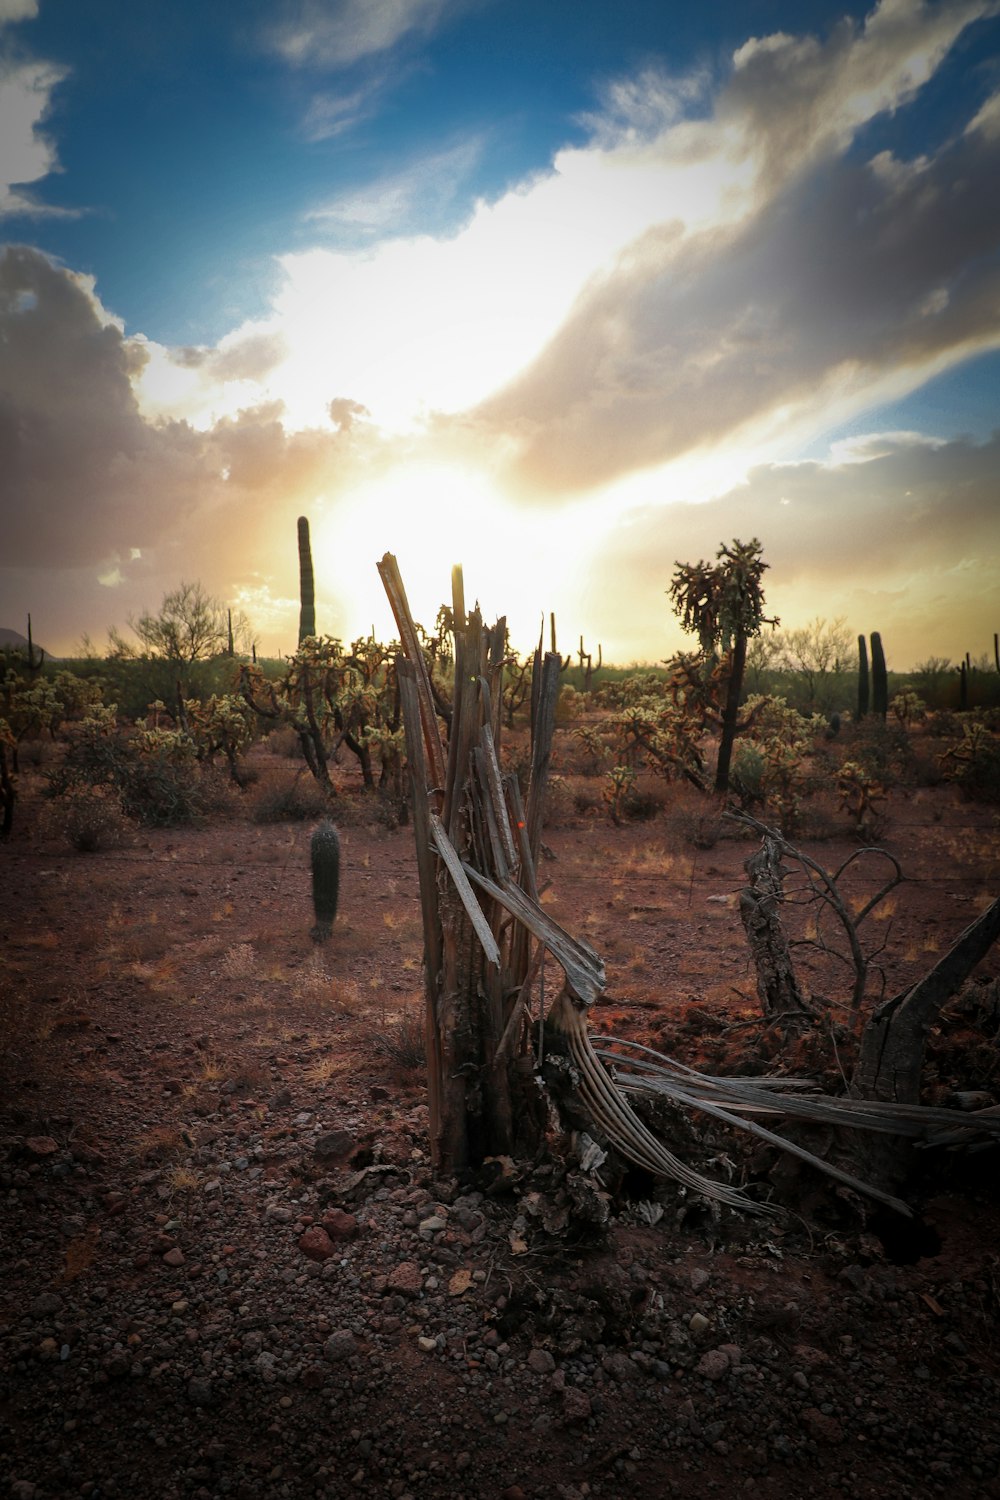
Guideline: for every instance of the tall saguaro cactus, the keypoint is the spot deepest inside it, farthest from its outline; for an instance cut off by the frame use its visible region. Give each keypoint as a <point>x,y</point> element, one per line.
<point>880,678</point>
<point>863,681</point>
<point>307,586</point>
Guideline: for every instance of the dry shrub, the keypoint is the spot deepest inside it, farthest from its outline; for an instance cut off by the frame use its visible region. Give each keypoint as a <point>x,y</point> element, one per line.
<point>88,818</point>
<point>280,800</point>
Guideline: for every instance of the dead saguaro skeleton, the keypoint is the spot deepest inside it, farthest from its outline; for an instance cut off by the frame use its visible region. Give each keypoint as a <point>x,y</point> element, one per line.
<point>486,937</point>
<point>485,933</point>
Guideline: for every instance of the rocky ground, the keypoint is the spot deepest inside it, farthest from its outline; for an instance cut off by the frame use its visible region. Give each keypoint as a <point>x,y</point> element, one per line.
<point>229,1270</point>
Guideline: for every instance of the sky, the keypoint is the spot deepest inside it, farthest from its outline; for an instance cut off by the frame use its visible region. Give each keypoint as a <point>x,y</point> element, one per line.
<point>566,292</point>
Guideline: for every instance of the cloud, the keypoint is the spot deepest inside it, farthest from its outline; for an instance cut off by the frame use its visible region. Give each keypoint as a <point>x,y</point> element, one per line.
<point>848,279</point>
<point>395,204</point>
<point>28,155</point>
<point>314,35</point>
<point>17,10</point>
<point>878,539</point>
<point>91,482</point>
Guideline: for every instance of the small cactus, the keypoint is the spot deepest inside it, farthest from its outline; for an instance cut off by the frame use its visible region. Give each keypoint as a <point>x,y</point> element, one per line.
<point>324,853</point>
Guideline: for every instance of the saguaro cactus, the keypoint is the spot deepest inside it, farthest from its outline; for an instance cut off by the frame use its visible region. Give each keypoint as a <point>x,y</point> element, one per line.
<point>307,586</point>
<point>880,678</point>
<point>324,851</point>
<point>863,684</point>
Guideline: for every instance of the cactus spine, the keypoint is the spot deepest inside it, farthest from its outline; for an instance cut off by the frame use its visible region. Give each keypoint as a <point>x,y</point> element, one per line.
<point>863,680</point>
<point>880,678</point>
<point>307,587</point>
<point>324,851</point>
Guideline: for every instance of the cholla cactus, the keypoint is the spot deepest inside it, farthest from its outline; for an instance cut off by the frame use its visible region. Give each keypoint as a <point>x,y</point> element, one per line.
<point>324,853</point>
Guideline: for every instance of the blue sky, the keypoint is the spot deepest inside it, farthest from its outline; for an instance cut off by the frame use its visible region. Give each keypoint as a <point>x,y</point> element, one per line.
<point>613,283</point>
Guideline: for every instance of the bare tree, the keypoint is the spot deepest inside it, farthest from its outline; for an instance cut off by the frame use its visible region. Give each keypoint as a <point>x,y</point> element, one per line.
<point>817,653</point>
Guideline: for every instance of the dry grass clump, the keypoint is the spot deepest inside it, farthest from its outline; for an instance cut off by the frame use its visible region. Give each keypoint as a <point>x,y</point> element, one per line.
<point>400,1039</point>
<point>239,961</point>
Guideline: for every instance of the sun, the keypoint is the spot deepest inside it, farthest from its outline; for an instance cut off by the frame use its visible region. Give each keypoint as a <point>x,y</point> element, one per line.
<point>431,515</point>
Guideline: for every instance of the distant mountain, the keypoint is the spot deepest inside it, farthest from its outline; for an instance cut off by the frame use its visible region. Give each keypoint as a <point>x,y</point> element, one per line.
<point>13,640</point>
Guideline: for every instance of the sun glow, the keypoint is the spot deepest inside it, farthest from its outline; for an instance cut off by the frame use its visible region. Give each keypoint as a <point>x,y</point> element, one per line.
<point>432,515</point>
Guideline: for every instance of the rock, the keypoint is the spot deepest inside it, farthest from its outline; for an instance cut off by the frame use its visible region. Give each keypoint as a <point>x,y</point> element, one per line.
<point>620,1367</point>
<point>575,1405</point>
<point>339,1225</point>
<point>316,1244</point>
<point>340,1345</point>
<point>822,1428</point>
<point>433,1224</point>
<point>428,1345</point>
<point>406,1279</point>
<point>45,1305</point>
<point>334,1145</point>
<point>698,1322</point>
<point>199,1391</point>
<point>541,1361</point>
<point>174,1257</point>
<point>699,1276</point>
<point>41,1145</point>
<point>714,1363</point>
<point>23,1489</point>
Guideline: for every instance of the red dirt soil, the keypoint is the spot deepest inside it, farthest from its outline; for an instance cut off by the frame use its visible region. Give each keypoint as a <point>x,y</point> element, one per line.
<point>189,1084</point>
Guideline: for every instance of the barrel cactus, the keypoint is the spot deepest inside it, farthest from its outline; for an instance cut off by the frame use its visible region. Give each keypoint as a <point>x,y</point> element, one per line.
<point>325,857</point>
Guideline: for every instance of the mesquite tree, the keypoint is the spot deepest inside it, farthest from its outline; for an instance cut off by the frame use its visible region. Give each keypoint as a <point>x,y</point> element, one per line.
<point>723,604</point>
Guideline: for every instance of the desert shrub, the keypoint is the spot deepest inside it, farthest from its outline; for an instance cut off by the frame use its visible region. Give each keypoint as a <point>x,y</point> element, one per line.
<point>587,751</point>
<point>558,802</point>
<point>884,751</point>
<point>860,794</point>
<point>87,817</point>
<point>285,742</point>
<point>153,773</point>
<point>973,764</point>
<point>570,704</point>
<point>297,801</point>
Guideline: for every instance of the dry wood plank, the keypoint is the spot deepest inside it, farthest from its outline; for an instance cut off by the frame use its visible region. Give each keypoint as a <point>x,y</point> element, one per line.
<point>457,870</point>
<point>583,968</point>
<point>392,582</point>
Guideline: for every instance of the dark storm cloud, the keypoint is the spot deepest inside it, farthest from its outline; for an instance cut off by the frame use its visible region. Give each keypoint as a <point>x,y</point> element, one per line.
<point>87,478</point>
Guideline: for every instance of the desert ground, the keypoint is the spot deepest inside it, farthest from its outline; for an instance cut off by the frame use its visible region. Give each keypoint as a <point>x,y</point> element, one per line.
<point>191,1087</point>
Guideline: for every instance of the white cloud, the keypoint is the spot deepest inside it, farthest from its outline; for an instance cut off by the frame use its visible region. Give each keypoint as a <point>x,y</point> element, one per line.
<point>315,35</point>
<point>394,203</point>
<point>17,10</point>
<point>26,155</point>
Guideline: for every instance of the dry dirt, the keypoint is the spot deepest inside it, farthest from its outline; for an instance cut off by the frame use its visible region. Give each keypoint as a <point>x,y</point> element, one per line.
<point>190,1086</point>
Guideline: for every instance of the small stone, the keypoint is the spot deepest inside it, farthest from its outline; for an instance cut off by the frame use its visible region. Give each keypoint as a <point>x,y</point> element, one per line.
<point>541,1361</point>
<point>426,1344</point>
<point>433,1224</point>
<point>822,1428</point>
<point>620,1367</point>
<point>576,1406</point>
<point>698,1322</point>
<point>339,1346</point>
<point>699,1276</point>
<point>199,1391</point>
<point>316,1244</point>
<point>174,1257</point>
<point>714,1363</point>
<point>406,1279</point>
<point>45,1305</point>
<point>334,1144</point>
<point>41,1145</point>
<point>339,1225</point>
